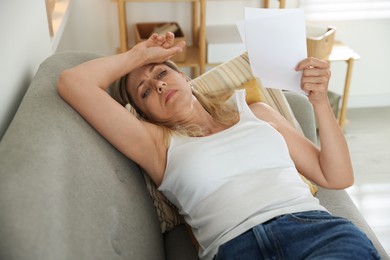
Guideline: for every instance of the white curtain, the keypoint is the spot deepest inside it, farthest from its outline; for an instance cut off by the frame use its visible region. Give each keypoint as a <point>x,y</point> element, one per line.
<point>339,10</point>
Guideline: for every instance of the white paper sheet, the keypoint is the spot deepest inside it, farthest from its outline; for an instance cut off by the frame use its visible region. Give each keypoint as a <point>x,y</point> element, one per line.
<point>276,41</point>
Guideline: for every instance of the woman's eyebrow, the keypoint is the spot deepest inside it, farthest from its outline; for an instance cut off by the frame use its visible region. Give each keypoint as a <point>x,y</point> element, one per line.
<point>150,70</point>
<point>140,84</point>
<point>152,67</point>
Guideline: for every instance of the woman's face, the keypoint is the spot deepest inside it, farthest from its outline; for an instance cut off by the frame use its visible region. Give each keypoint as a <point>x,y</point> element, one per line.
<point>160,92</point>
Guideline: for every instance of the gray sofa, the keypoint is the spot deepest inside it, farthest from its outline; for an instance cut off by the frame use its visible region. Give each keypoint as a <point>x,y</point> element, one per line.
<point>66,193</point>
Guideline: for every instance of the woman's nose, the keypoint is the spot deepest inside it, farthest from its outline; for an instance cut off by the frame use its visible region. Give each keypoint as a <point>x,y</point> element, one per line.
<point>160,86</point>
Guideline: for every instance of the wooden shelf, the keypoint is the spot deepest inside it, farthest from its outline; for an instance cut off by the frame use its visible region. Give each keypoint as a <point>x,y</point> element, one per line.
<point>196,54</point>
<point>192,57</point>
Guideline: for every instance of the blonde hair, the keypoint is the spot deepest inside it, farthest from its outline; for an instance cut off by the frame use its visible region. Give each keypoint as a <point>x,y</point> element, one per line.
<point>214,103</point>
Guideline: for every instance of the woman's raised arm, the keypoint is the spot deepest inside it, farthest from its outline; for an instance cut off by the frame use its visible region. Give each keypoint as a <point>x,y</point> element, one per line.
<point>84,88</point>
<point>329,165</point>
<point>334,157</point>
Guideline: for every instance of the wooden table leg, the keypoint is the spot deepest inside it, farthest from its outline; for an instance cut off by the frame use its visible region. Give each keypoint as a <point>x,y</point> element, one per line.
<point>343,110</point>
<point>122,26</point>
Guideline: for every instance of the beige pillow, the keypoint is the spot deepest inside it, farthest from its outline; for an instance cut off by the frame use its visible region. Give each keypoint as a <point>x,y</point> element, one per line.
<point>234,74</point>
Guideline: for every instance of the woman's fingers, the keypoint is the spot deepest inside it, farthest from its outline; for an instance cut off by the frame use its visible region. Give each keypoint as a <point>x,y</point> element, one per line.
<point>315,78</point>
<point>318,83</point>
<point>155,40</point>
<point>312,62</point>
<point>169,40</point>
<point>158,48</point>
<point>166,41</point>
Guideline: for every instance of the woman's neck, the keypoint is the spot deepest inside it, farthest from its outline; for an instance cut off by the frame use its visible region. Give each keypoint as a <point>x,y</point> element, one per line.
<point>200,119</point>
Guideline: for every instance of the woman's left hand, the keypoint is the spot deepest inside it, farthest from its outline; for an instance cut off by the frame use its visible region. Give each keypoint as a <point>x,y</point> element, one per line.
<point>332,162</point>
<point>315,79</point>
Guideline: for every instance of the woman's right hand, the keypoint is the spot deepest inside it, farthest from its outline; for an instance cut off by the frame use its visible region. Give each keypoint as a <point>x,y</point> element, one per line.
<point>158,48</point>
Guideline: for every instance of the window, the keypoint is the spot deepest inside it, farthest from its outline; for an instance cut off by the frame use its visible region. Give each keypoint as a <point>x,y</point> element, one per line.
<point>341,10</point>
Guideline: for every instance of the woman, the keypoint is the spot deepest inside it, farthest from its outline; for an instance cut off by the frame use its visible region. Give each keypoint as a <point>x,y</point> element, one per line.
<point>232,170</point>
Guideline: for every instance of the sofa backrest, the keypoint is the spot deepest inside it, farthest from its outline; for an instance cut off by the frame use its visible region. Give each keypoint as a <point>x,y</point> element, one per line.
<point>65,192</point>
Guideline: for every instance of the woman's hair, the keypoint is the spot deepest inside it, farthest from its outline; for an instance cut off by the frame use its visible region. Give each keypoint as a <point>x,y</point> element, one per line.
<point>214,103</point>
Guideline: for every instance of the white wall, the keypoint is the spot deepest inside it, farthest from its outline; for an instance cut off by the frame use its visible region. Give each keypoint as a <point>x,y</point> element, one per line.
<point>370,84</point>
<point>24,44</point>
<point>92,26</point>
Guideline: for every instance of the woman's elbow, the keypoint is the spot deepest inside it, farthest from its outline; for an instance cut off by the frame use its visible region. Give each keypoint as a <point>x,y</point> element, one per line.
<point>64,82</point>
<point>341,184</point>
<point>344,185</point>
<point>349,178</point>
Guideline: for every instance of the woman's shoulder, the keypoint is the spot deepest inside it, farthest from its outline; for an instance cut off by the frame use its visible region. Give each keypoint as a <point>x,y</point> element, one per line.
<point>266,113</point>
<point>260,108</point>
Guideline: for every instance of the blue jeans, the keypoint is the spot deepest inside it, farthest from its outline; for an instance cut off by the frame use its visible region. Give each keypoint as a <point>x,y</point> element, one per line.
<point>306,235</point>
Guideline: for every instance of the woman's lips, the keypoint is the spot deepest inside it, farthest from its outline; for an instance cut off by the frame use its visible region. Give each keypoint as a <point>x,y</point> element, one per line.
<point>169,95</point>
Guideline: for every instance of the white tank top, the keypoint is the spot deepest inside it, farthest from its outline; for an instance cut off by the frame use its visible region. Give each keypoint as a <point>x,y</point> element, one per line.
<point>231,181</point>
